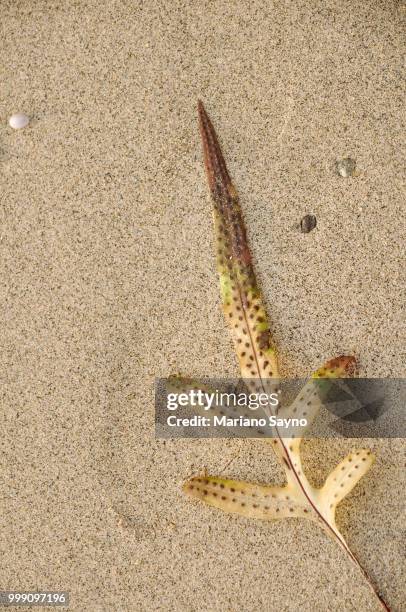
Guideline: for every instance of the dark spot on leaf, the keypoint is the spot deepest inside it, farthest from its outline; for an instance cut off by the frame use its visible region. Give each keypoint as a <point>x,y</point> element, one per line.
<point>264,339</point>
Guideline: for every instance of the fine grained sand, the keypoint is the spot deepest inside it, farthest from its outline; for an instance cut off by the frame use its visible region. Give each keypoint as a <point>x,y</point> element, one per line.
<point>108,281</point>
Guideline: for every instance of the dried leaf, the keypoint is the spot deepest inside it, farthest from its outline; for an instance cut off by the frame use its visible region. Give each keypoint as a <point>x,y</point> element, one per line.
<point>245,313</point>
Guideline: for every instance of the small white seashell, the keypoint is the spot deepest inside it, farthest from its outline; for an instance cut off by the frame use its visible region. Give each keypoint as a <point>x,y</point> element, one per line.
<point>346,167</point>
<point>18,121</point>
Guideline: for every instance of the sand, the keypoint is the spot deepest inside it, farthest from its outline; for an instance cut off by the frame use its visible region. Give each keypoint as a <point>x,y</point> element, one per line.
<point>108,280</point>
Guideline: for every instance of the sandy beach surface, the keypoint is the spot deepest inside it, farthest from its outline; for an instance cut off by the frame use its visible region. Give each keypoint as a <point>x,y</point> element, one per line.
<point>108,280</point>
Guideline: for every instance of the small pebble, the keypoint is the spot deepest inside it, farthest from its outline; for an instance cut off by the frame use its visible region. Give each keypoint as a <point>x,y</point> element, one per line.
<point>308,223</point>
<point>346,167</point>
<point>18,121</point>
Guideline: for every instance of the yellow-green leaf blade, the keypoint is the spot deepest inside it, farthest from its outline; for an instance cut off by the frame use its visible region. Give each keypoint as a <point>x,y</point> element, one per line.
<point>344,478</point>
<point>247,499</point>
<point>310,399</point>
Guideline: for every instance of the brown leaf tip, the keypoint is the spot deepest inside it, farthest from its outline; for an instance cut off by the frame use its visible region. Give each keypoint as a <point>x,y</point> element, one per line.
<point>348,363</point>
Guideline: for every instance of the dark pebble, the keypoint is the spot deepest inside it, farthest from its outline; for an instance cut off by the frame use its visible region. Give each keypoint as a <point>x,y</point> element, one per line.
<point>308,223</point>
